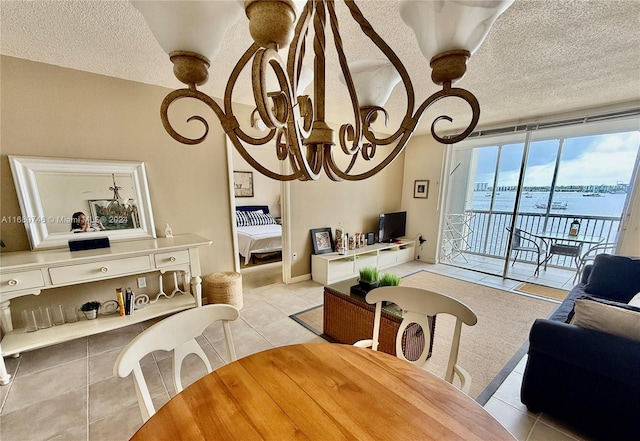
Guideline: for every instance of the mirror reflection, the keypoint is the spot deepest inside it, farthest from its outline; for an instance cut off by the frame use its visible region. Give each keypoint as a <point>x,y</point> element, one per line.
<point>88,202</point>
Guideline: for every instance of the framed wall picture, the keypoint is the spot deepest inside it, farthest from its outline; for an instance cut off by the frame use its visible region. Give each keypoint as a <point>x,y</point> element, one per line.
<point>421,189</point>
<point>243,184</point>
<point>322,240</point>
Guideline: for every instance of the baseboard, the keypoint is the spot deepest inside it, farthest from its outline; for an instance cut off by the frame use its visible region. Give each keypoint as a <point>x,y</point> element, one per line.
<point>301,278</point>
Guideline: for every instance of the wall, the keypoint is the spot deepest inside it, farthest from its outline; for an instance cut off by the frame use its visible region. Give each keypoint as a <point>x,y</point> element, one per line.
<point>423,161</point>
<point>266,191</point>
<point>353,205</point>
<point>631,236</point>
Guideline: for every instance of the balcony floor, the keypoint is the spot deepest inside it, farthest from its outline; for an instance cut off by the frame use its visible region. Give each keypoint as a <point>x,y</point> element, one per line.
<point>561,278</point>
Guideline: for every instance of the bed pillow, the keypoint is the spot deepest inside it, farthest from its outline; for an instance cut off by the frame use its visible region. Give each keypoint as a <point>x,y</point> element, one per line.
<point>607,316</point>
<point>259,218</point>
<point>241,219</point>
<point>614,277</point>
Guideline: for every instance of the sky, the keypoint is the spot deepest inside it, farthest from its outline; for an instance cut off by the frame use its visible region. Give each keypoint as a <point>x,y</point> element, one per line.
<point>589,160</point>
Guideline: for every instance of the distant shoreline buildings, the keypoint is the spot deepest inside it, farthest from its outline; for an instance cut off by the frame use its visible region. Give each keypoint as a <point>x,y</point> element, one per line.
<point>612,189</point>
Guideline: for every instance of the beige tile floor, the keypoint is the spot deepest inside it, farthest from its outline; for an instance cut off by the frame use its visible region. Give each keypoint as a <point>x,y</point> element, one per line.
<point>68,391</point>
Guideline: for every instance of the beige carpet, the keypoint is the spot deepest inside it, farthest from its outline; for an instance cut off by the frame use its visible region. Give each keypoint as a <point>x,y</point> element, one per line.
<point>543,291</point>
<point>504,321</point>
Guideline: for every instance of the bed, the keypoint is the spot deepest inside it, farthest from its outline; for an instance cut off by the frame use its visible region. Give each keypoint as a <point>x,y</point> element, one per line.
<point>258,231</point>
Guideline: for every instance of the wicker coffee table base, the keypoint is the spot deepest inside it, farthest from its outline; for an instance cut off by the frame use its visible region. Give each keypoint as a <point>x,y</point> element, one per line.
<point>347,320</point>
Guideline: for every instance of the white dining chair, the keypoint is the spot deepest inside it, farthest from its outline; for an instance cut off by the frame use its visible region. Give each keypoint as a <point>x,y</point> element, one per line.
<point>417,304</point>
<point>178,333</point>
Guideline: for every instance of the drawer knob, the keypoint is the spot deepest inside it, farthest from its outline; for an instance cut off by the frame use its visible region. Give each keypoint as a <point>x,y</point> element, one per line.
<point>13,282</point>
<point>172,259</point>
<point>104,269</point>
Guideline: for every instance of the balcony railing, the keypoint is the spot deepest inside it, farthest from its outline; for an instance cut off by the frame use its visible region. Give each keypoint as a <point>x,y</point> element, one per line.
<point>484,232</point>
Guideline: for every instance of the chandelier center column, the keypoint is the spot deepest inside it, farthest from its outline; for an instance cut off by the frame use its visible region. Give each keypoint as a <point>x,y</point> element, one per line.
<point>321,133</point>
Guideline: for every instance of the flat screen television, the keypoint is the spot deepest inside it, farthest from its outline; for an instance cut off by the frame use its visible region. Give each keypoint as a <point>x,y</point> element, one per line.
<point>392,226</point>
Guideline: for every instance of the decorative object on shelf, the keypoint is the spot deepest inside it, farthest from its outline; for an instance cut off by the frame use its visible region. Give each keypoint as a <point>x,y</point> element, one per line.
<point>57,313</point>
<point>109,307</point>
<point>352,242</point>
<point>71,313</point>
<point>421,189</point>
<point>29,320</point>
<point>341,241</point>
<point>243,184</point>
<point>321,240</point>
<point>574,229</point>
<point>448,33</point>
<point>44,317</point>
<point>90,309</point>
<point>168,232</point>
<point>141,301</point>
<point>388,279</point>
<point>176,288</point>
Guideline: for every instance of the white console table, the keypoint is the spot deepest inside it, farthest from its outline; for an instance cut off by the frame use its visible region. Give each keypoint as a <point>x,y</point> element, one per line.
<point>330,268</point>
<point>29,272</point>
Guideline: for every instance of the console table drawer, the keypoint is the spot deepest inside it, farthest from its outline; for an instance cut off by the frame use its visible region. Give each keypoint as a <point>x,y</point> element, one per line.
<point>20,281</point>
<point>173,258</point>
<point>99,270</point>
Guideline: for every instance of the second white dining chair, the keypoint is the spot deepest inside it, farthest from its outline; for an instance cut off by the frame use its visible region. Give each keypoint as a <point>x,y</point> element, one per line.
<point>417,304</point>
<point>178,333</point>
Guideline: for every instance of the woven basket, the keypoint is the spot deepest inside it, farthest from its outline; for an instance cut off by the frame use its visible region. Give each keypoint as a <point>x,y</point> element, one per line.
<point>225,287</point>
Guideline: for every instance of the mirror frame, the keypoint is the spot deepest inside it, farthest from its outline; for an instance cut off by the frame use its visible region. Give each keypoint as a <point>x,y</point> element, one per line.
<point>24,170</point>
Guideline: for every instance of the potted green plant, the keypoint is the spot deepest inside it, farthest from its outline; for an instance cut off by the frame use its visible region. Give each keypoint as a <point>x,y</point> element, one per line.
<point>369,278</point>
<point>388,279</point>
<point>90,309</point>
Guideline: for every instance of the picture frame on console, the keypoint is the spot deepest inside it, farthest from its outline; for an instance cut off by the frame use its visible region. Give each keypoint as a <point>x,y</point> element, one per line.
<point>421,189</point>
<point>322,240</point>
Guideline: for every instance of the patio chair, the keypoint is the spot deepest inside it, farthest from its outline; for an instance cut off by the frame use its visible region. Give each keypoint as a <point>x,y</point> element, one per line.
<point>417,305</point>
<point>178,333</point>
<point>590,255</point>
<point>524,241</point>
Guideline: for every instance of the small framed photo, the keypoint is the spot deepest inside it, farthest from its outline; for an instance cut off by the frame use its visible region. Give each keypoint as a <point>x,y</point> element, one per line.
<point>322,240</point>
<point>243,184</point>
<point>421,189</point>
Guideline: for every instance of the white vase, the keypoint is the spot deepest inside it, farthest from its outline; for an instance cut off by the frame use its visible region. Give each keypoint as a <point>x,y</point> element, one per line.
<point>90,315</point>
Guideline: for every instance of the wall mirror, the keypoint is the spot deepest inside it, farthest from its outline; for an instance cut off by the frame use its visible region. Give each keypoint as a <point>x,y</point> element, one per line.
<point>113,196</point>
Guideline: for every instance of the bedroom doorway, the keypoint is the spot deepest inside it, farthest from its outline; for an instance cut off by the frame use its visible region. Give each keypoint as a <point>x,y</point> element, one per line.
<point>256,218</point>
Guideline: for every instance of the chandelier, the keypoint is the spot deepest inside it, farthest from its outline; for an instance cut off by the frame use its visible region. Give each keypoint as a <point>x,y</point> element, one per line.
<point>191,32</point>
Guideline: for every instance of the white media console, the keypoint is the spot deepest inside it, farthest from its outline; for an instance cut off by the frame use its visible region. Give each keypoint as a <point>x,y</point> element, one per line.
<point>333,267</point>
<point>32,272</point>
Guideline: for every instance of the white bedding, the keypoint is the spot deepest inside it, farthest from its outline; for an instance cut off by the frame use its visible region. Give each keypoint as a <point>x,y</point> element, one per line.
<point>259,239</point>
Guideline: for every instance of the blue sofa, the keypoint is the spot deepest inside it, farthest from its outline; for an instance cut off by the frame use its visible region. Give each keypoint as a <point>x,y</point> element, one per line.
<point>588,378</point>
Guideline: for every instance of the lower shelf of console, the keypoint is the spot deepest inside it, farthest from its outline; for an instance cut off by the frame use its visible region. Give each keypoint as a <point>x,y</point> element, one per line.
<point>18,340</point>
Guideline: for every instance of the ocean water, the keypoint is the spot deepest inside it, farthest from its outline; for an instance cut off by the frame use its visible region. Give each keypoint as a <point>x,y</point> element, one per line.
<point>577,204</point>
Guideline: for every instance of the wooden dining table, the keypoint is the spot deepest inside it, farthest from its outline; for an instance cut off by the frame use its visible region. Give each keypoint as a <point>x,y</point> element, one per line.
<point>321,391</point>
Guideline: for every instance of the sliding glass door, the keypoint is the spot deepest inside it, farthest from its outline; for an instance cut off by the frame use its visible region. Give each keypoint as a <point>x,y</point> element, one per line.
<point>535,182</point>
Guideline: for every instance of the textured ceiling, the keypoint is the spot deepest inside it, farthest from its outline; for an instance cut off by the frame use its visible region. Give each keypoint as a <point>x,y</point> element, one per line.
<point>542,56</point>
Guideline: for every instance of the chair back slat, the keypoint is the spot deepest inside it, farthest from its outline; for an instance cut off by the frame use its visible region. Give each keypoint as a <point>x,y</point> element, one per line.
<point>176,333</point>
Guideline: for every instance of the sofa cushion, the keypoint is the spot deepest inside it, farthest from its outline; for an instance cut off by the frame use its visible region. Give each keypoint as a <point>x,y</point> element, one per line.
<point>614,277</point>
<point>635,301</point>
<point>607,316</point>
